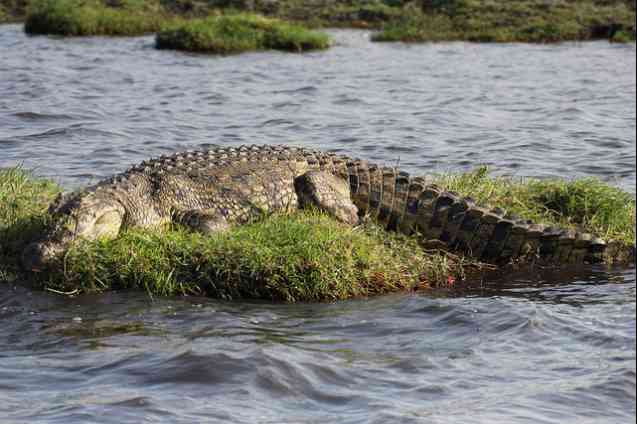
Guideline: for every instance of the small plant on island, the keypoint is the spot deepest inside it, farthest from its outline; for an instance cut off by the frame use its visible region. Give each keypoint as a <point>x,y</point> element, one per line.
<point>236,33</point>
<point>305,256</point>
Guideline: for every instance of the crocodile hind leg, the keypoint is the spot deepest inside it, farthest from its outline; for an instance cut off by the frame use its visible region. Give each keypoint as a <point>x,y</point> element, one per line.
<point>327,192</point>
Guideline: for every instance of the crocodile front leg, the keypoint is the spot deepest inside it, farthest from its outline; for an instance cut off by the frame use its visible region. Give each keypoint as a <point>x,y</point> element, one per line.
<point>327,192</point>
<point>207,221</point>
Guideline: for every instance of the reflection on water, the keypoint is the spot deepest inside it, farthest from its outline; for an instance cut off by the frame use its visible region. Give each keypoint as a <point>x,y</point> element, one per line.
<point>545,346</point>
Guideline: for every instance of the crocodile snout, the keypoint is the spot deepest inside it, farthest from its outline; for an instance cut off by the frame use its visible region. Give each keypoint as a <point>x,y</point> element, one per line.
<point>37,256</point>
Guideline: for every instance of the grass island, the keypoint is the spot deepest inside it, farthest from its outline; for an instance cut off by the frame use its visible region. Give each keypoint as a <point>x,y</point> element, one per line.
<point>306,256</point>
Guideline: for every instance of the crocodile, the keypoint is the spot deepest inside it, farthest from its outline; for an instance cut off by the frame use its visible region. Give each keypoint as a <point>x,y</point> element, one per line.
<point>211,190</point>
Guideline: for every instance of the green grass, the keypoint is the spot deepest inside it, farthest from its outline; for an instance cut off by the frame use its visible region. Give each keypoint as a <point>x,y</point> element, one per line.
<point>240,32</point>
<point>12,10</point>
<point>623,36</point>
<point>24,201</point>
<point>513,21</point>
<point>94,17</point>
<point>302,257</point>
<point>305,256</point>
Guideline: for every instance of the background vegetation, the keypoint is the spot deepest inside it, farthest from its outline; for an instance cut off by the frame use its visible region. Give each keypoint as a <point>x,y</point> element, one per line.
<point>93,17</point>
<point>398,20</point>
<point>516,20</point>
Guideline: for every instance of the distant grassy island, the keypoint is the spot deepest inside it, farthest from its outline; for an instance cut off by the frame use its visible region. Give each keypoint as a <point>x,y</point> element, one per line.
<point>94,17</point>
<point>233,32</point>
<point>537,21</point>
<point>237,33</point>
<point>306,256</point>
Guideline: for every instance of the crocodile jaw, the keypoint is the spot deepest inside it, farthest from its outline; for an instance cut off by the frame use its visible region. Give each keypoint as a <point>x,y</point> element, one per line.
<point>86,219</point>
<point>37,256</point>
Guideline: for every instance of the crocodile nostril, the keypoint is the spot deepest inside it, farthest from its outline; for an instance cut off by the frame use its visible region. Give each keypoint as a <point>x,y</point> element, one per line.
<point>37,256</point>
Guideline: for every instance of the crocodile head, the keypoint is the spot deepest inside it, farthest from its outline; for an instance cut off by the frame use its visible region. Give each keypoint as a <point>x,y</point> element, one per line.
<point>75,216</point>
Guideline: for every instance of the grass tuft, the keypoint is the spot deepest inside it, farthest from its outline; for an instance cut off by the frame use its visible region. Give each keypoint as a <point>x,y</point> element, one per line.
<point>24,202</point>
<point>240,32</point>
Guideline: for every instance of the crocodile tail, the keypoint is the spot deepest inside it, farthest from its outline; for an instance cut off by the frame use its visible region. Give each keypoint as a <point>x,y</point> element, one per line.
<point>414,205</point>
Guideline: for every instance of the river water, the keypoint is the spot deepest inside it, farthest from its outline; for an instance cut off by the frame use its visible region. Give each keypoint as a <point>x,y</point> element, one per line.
<point>540,347</point>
